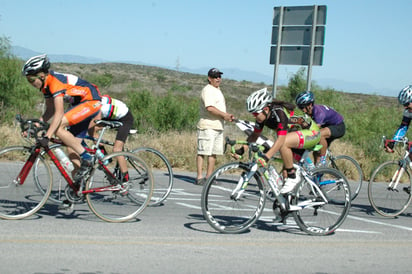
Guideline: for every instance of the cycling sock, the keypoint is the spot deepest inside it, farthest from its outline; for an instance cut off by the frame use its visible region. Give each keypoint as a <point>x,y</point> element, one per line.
<point>85,155</point>
<point>125,176</point>
<point>291,173</point>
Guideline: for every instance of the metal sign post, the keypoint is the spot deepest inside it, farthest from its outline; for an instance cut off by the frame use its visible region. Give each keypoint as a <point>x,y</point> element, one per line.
<point>298,35</point>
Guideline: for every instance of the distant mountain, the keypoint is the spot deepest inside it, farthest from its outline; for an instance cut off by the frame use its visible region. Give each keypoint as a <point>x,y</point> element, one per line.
<point>229,73</point>
<point>25,54</point>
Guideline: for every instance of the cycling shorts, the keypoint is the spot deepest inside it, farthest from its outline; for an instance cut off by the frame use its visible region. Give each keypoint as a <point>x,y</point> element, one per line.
<point>80,116</point>
<point>337,131</point>
<point>124,130</point>
<point>307,138</point>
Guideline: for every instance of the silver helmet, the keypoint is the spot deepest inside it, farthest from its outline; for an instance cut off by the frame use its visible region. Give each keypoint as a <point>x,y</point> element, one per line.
<point>405,95</point>
<point>258,100</point>
<point>36,64</point>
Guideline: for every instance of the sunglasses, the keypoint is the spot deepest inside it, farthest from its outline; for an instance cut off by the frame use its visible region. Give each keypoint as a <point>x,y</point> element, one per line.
<point>406,104</point>
<point>216,76</point>
<point>257,113</point>
<point>31,79</point>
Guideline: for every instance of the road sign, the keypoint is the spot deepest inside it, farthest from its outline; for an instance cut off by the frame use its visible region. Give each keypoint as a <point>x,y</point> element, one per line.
<point>298,36</point>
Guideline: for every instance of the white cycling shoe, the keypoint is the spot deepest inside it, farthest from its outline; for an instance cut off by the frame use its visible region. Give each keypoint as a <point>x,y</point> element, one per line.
<point>290,184</point>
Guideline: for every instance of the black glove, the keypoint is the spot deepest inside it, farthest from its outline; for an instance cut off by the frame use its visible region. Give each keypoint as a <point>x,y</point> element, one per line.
<point>240,151</point>
<point>44,142</point>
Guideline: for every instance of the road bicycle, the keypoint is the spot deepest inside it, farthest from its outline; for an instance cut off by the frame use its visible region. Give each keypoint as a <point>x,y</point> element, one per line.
<point>347,165</point>
<point>234,196</point>
<point>24,189</point>
<point>389,188</point>
<point>157,162</point>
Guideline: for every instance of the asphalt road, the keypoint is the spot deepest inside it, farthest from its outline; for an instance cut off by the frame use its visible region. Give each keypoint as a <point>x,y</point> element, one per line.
<point>174,238</point>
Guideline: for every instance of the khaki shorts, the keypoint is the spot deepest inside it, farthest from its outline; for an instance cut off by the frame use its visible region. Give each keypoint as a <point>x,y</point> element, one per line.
<point>209,142</point>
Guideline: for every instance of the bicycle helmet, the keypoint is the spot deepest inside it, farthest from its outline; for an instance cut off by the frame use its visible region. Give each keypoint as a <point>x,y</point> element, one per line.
<point>405,96</point>
<point>36,64</point>
<point>304,98</point>
<point>258,100</point>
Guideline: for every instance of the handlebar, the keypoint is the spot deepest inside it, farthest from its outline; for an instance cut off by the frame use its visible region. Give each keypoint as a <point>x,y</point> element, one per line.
<point>406,144</point>
<point>34,127</point>
<point>255,150</point>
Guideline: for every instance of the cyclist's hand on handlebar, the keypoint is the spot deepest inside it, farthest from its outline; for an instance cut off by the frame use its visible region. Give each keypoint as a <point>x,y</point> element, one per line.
<point>44,141</point>
<point>238,153</point>
<point>389,146</point>
<point>263,159</point>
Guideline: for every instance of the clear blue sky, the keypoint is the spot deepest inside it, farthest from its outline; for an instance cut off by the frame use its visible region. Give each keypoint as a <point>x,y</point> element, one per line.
<point>367,42</point>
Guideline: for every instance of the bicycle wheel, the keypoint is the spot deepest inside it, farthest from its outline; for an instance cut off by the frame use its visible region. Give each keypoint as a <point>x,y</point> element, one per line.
<point>227,214</point>
<point>318,217</point>
<point>386,196</point>
<point>351,169</point>
<point>112,201</point>
<point>18,201</point>
<point>162,173</point>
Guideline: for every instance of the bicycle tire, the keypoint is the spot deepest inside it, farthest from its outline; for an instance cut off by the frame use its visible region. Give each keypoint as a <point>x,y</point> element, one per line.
<point>351,169</point>
<point>387,201</point>
<point>316,217</point>
<point>18,201</point>
<point>228,215</point>
<point>115,205</point>
<point>162,173</point>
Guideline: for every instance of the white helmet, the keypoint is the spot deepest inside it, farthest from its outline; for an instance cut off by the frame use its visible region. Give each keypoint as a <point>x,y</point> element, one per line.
<point>35,65</point>
<point>258,100</point>
<point>405,96</point>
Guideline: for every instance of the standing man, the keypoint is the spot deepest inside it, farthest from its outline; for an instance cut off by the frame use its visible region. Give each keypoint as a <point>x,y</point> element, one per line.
<point>211,124</point>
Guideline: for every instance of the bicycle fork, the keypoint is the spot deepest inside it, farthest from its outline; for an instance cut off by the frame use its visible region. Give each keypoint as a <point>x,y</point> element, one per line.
<point>243,182</point>
<point>26,168</point>
<point>396,178</point>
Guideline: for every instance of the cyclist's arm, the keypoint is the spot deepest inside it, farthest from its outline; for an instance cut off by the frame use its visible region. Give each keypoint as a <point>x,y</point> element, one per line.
<point>48,113</point>
<point>57,117</point>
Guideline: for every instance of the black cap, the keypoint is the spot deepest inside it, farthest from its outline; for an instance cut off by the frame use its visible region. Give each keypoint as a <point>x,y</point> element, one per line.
<point>213,72</point>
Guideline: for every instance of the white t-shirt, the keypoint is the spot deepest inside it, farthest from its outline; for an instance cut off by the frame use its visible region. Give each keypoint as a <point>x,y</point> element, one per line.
<point>211,96</point>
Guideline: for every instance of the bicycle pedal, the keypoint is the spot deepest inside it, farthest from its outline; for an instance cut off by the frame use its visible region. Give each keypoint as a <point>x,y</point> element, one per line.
<point>66,205</point>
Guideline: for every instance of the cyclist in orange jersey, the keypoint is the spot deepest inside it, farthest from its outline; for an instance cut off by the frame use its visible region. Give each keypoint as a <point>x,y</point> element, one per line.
<point>83,98</point>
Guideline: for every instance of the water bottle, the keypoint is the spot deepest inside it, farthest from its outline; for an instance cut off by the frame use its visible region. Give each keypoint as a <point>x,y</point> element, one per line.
<point>275,176</point>
<point>100,156</point>
<point>63,159</point>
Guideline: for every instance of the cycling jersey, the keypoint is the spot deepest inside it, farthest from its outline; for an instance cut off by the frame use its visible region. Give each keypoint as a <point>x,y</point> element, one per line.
<point>74,89</point>
<point>282,121</point>
<point>404,126</point>
<point>326,116</point>
<point>113,109</point>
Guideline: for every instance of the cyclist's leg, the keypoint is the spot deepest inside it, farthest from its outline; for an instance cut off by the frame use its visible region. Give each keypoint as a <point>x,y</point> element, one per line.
<point>121,138</point>
<point>79,118</point>
<point>302,139</point>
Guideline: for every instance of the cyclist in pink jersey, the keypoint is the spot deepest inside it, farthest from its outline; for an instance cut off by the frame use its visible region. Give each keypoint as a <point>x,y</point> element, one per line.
<point>292,132</point>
